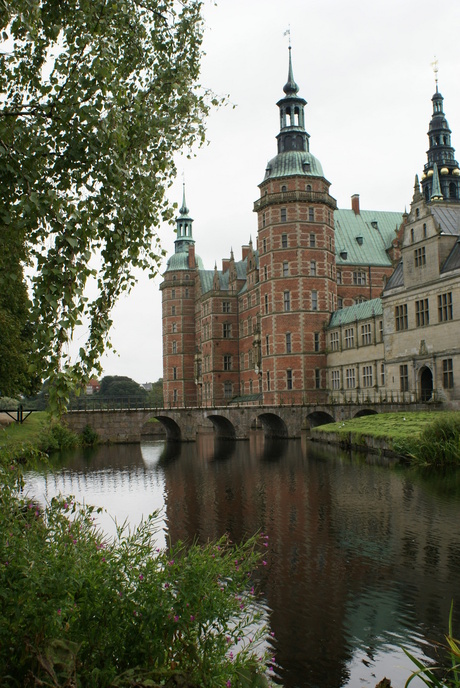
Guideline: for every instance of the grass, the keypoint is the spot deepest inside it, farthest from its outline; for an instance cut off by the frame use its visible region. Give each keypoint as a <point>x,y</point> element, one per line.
<point>388,426</point>
<point>16,436</point>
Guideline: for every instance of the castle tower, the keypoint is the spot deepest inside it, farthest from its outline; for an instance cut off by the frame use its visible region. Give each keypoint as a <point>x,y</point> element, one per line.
<point>441,174</point>
<point>298,289</point>
<point>178,309</point>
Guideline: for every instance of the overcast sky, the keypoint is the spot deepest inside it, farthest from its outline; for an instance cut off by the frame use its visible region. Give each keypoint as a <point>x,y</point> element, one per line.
<point>364,68</point>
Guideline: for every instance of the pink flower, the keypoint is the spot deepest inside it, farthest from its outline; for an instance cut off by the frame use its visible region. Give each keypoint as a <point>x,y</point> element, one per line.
<point>141,577</point>
<point>171,562</point>
<point>176,618</point>
<point>59,612</point>
<point>264,562</point>
<point>192,618</point>
<point>230,654</point>
<point>228,684</point>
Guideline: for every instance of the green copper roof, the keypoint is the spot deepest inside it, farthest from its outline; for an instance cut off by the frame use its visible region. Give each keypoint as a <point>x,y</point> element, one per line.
<point>364,238</point>
<point>292,163</point>
<point>360,311</point>
<point>179,261</point>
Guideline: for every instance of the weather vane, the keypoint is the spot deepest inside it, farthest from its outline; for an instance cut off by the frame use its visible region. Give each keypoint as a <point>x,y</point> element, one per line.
<point>434,64</point>
<point>288,33</point>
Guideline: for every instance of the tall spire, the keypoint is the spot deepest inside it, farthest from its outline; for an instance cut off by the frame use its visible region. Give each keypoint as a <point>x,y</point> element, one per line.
<point>441,155</point>
<point>183,227</point>
<point>183,209</point>
<point>292,134</point>
<point>290,87</point>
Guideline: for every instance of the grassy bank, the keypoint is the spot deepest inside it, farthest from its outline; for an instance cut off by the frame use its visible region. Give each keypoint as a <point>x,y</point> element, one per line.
<point>424,437</point>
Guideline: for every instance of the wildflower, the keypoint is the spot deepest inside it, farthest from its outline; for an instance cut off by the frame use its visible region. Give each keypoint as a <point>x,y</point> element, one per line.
<point>227,638</point>
<point>228,684</point>
<point>176,618</point>
<point>264,562</point>
<point>171,562</point>
<point>230,654</point>
<point>192,618</point>
<point>166,585</point>
<point>59,612</point>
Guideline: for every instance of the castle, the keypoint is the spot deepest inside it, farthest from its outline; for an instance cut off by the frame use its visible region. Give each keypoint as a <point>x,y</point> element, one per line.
<point>331,305</point>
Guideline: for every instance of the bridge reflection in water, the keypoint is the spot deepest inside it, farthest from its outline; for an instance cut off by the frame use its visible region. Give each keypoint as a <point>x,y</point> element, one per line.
<point>362,558</point>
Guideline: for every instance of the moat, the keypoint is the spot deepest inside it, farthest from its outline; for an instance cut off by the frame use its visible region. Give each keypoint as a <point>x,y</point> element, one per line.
<point>363,558</point>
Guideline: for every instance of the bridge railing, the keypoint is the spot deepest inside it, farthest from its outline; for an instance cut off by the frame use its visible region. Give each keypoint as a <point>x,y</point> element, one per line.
<point>374,397</point>
<point>97,403</point>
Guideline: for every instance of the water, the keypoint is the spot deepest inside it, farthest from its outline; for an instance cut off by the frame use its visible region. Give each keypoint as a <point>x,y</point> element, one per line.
<point>362,558</point>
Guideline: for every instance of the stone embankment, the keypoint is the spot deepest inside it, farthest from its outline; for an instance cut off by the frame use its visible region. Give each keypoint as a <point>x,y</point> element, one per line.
<point>349,441</point>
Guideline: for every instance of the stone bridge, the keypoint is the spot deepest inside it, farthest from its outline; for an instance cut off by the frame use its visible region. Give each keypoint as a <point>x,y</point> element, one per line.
<point>227,422</point>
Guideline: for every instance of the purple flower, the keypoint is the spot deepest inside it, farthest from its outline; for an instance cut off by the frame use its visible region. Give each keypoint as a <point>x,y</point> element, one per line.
<point>192,618</point>
<point>141,577</point>
<point>264,562</point>
<point>228,684</point>
<point>176,618</point>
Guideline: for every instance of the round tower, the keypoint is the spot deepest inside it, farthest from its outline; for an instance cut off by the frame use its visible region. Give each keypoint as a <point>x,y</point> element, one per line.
<point>178,309</point>
<point>296,246</point>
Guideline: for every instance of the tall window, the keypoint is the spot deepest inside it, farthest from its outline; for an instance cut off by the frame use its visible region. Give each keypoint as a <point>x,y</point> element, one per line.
<point>420,257</point>
<point>186,292</point>
<point>173,293</point>
<point>401,321</point>
<point>359,277</point>
<point>226,307</point>
<point>174,373</point>
<point>264,244</point>
<point>316,341</point>
<point>382,374</point>
<point>339,303</point>
<point>314,300</point>
<point>228,389</point>
<point>339,277</point>
<point>268,380</point>
<point>284,241</point>
<point>317,378</point>
<point>174,327</point>
<point>288,379</point>
<point>366,334</point>
<point>350,378</point>
<point>349,338</point>
<point>227,362</point>
<point>227,331</point>
<point>288,343</point>
<point>404,378</point>
<point>311,214</point>
<point>313,268</point>
<point>312,240</point>
<point>445,311</point>
<point>174,394</point>
<point>380,330</point>
<point>265,272</point>
<point>287,301</point>
<point>334,341</point>
<point>336,379</point>
<point>266,303</point>
<point>447,373</point>
<point>422,315</point>
<point>368,376</point>
<point>267,345</point>
<point>173,310</point>
<point>283,214</point>
<point>285,268</point>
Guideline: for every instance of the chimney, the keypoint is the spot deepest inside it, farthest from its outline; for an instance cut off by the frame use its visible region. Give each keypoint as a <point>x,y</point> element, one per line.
<point>225,264</point>
<point>191,256</point>
<point>355,203</point>
<point>245,251</point>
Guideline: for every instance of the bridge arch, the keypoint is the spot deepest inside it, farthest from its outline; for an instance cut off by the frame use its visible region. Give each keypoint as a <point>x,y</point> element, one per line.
<point>365,412</point>
<point>223,427</point>
<point>273,425</point>
<point>319,418</point>
<point>173,431</point>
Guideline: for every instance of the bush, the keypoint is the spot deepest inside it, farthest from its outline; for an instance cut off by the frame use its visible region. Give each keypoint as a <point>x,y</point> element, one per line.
<point>57,437</point>
<point>76,609</point>
<point>438,444</point>
<point>89,437</point>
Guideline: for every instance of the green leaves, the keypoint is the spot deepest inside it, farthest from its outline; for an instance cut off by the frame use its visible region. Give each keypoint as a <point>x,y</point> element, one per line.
<point>98,99</point>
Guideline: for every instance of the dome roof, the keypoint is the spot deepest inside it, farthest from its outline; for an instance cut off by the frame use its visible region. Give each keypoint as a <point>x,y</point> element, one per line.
<point>293,163</point>
<point>179,261</point>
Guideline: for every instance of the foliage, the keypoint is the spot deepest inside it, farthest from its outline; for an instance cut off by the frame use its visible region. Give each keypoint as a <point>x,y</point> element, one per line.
<point>156,394</point>
<point>121,386</point>
<point>78,610</point>
<point>89,436</point>
<point>439,677</point>
<point>438,444</point>
<point>37,436</point>
<point>8,403</point>
<point>97,98</point>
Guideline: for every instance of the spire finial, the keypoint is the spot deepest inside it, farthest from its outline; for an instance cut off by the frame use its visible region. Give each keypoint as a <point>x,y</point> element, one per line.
<point>290,88</point>
<point>434,64</point>
<point>183,209</point>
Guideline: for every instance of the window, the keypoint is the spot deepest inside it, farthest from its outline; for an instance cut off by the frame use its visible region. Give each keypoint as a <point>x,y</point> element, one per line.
<point>359,278</point>
<point>242,361</point>
<point>447,373</point>
<point>445,311</point>
<point>317,378</point>
<point>227,331</point>
<point>336,379</point>
<point>174,394</point>
<point>283,214</point>
<point>420,257</point>
<point>313,268</point>
<point>288,343</point>
<point>174,373</point>
<point>284,241</point>
<point>424,230</point>
<point>265,272</point>
<point>350,378</point>
<point>173,293</point>
<point>412,235</point>
<point>268,380</point>
<point>401,321</point>
<point>366,334</point>
<point>285,268</point>
<point>380,330</point>
<point>312,240</point>
<point>287,301</point>
<point>226,306</point>
<point>173,310</point>
<point>186,292</point>
<point>266,303</point>
<point>288,379</point>
<point>174,327</point>
<point>339,303</point>
<point>228,389</point>
<point>263,220</point>
<point>404,378</point>
<point>227,362</point>
<point>316,341</point>
<point>250,386</point>
<point>264,244</point>
<point>422,315</point>
<point>314,300</point>
<point>382,374</point>
<point>334,341</point>
<point>311,214</point>
<point>283,188</point>
<point>349,338</point>
<point>267,345</point>
<point>368,376</point>
<point>339,277</point>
